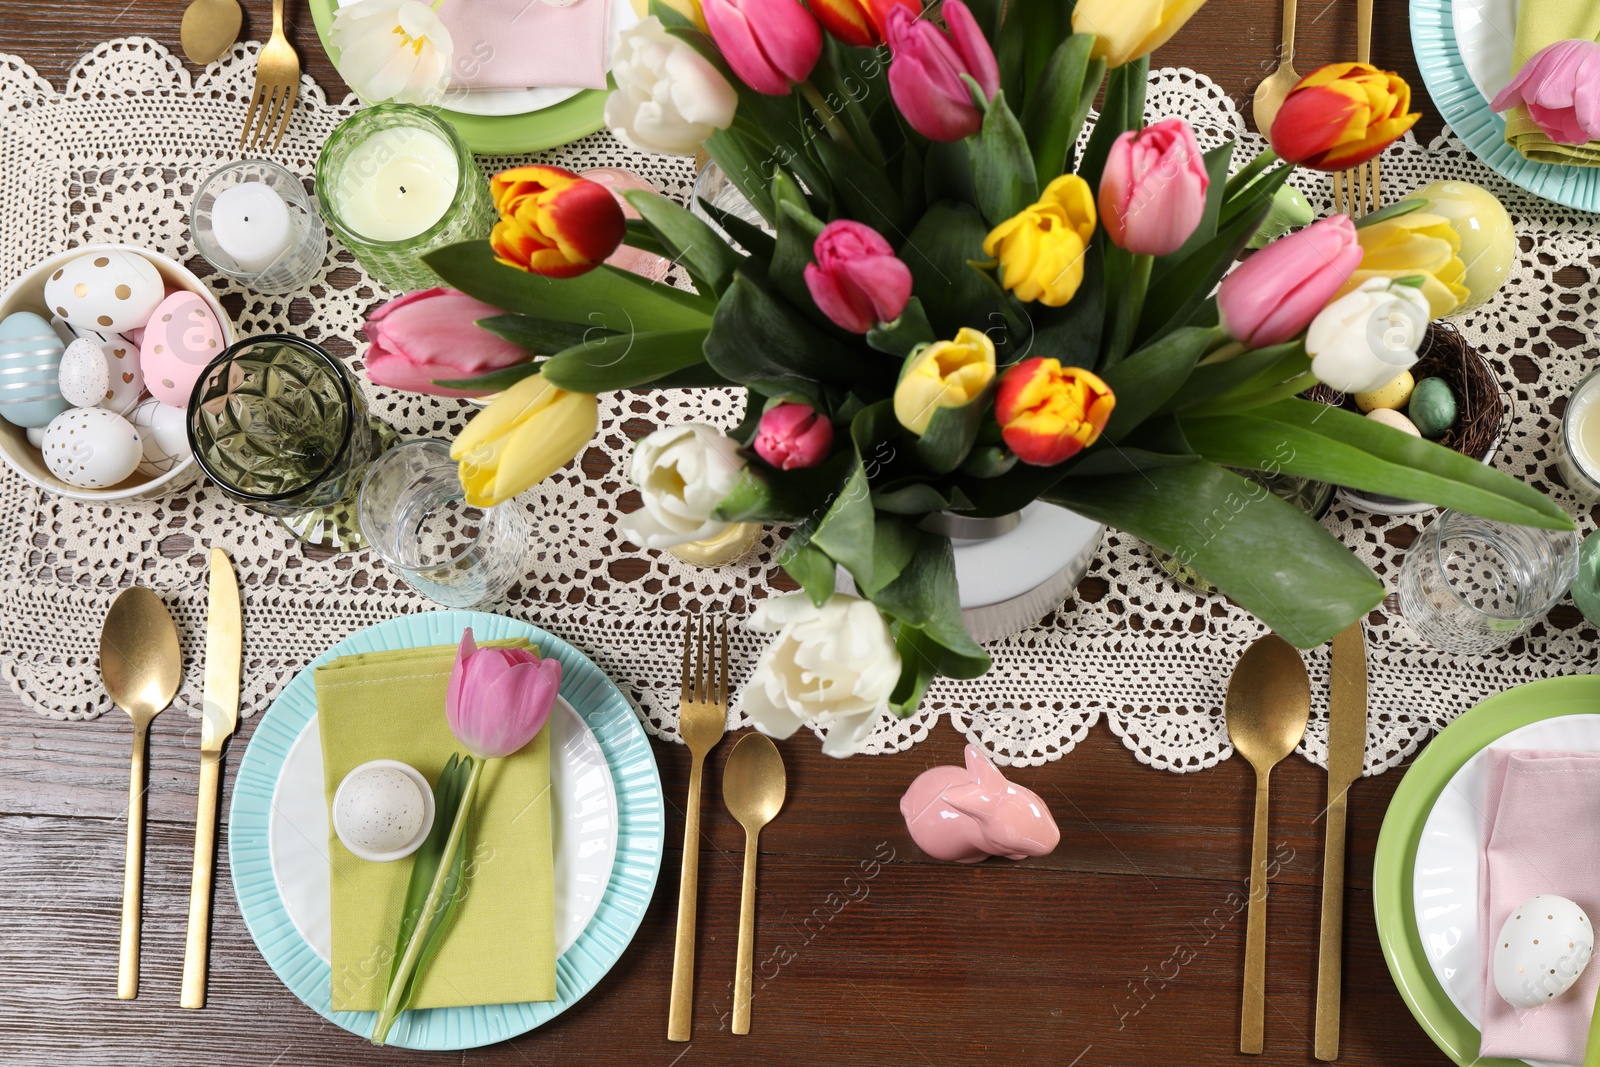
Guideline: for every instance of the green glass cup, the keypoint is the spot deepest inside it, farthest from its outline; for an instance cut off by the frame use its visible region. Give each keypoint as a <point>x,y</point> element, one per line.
<point>279,424</point>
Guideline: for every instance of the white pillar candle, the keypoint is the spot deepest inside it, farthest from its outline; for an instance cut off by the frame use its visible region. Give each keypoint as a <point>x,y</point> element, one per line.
<point>251,223</point>
<point>397,183</point>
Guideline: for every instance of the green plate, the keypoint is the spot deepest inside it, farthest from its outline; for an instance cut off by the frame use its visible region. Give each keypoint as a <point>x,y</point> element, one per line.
<point>503,135</point>
<point>1402,830</point>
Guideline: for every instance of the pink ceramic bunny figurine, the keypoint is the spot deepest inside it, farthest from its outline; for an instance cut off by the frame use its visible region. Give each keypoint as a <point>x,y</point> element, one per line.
<point>972,814</point>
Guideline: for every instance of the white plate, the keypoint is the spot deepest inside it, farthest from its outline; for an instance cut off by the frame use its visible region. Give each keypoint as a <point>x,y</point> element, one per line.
<point>1445,882</point>
<point>1486,31</point>
<point>584,822</point>
<point>490,102</point>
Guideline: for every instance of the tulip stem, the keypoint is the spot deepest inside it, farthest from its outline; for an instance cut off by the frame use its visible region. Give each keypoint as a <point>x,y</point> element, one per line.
<point>1125,322</point>
<point>430,908</point>
<point>829,118</point>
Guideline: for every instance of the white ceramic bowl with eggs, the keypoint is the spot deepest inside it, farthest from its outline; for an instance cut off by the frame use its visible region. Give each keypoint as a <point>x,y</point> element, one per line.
<point>27,294</point>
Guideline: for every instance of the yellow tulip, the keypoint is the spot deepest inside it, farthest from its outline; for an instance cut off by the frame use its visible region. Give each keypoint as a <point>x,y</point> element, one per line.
<point>1041,248</point>
<point>1420,243</point>
<point>1124,30</point>
<point>528,433</point>
<point>945,374</point>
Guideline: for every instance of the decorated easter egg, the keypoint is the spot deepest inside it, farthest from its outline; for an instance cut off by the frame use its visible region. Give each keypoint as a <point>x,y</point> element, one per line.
<point>109,290</point>
<point>1394,395</point>
<point>1488,240</point>
<point>162,434</point>
<point>30,363</point>
<point>124,377</point>
<point>1392,418</point>
<point>84,375</point>
<point>35,436</point>
<point>1543,947</point>
<point>1433,407</point>
<point>379,809</point>
<point>180,339</point>
<point>91,448</point>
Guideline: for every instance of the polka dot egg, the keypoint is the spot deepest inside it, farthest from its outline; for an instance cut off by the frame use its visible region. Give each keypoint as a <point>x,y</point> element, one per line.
<point>1543,947</point>
<point>109,290</point>
<point>181,338</point>
<point>379,809</point>
<point>91,448</point>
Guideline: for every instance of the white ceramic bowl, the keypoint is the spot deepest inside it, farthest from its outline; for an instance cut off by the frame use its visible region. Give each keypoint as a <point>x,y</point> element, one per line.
<point>417,839</point>
<point>27,294</point>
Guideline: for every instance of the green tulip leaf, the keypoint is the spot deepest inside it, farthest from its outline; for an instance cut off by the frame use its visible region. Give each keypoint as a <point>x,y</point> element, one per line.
<point>952,431</point>
<point>1072,333</point>
<point>753,239</point>
<point>541,337</point>
<point>688,241</point>
<point>809,566</point>
<point>1245,373</point>
<point>447,793</point>
<point>924,597</point>
<point>496,380</point>
<point>770,496</point>
<point>845,531</point>
<point>1393,211</point>
<point>937,250</point>
<point>1121,111</point>
<point>1059,104</point>
<point>1003,171</point>
<point>919,498</point>
<point>863,190</point>
<point>916,669</point>
<point>798,230</point>
<point>624,361</point>
<point>900,337</point>
<point>757,337</point>
<point>1146,380</point>
<point>741,159</point>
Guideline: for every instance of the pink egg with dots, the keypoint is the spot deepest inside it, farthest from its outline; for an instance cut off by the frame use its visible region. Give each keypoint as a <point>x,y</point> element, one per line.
<point>179,340</point>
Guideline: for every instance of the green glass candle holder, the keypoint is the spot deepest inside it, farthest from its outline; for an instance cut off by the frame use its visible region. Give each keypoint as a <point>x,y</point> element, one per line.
<point>395,182</point>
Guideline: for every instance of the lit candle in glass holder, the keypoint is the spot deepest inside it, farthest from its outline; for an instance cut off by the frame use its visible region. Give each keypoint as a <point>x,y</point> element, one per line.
<point>1578,454</point>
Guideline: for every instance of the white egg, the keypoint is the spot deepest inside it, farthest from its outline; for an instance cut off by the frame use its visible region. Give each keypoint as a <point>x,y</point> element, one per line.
<point>124,377</point>
<point>91,448</point>
<point>35,436</point>
<point>1543,947</point>
<point>110,290</point>
<point>163,433</point>
<point>1394,420</point>
<point>380,809</point>
<point>85,378</point>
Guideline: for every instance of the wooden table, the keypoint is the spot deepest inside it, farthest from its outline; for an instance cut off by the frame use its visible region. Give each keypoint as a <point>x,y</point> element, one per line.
<point>1124,947</point>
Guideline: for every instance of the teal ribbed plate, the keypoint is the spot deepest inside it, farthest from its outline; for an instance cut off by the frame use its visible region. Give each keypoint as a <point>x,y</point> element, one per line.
<point>1461,105</point>
<point>641,833</point>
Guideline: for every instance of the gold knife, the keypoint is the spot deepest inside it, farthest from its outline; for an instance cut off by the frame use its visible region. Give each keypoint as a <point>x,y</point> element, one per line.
<point>219,717</point>
<point>1347,752</point>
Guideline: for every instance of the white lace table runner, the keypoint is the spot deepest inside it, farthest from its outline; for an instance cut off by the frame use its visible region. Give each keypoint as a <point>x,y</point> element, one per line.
<point>116,156</point>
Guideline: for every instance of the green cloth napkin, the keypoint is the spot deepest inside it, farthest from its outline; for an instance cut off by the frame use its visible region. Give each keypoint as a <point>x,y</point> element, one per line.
<point>500,948</point>
<point>1541,23</point>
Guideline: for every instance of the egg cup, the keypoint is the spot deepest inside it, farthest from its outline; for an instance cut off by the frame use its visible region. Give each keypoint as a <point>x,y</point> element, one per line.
<point>348,838</point>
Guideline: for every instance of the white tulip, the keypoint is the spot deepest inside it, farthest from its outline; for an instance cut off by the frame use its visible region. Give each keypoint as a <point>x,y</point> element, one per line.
<point>395,50</point>
<point>1364,339</point>
<point>833,666</point>
<point>668,98</point>
<point>682,472</point>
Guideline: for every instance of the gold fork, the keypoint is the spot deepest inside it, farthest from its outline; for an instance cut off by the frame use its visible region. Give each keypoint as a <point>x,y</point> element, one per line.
<point>1356,191</point>
<point>277,85</point>
<point>702,720</point>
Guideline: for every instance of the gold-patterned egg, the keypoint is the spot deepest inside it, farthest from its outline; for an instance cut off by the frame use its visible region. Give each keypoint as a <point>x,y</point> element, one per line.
<point>1393,396</point>
<point>1488,239</point>
<point>109,291</point>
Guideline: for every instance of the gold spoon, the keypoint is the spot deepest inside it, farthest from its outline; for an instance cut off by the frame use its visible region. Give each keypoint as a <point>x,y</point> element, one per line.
<point>1274,89</point>
<point>141,667</point>
<point>753,785</point>
<point>1268,705</point>
<point>209,29</point>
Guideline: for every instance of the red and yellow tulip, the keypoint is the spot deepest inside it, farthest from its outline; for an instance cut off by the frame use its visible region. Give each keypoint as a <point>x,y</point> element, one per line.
<point>1049,413</point>
<point>1342,114</point>
<point>859,22</point>
<point>553,222</point>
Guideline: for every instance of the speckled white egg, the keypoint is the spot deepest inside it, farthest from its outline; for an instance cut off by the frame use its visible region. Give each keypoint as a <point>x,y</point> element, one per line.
<point>1394,420</point>
<point>83,374</point>
<point>181,338</point>
<point>163,433</point>
<point>110,290</point>
<point>91,448</point>
<point>380,810</point>
<point>30,362</point>
<point>1543,947</point>
<point>124,378</point>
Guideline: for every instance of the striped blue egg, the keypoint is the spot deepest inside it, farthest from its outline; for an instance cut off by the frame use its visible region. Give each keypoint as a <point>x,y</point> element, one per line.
<point>30,362</point>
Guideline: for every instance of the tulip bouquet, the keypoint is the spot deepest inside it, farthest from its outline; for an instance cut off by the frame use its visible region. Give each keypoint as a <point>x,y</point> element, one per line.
<point>957,303</point>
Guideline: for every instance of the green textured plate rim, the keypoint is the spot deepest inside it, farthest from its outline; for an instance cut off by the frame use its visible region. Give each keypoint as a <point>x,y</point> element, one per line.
<point>1392,868</point>
<point>503,135</point>
<point>641,836</point>
<point>1433,39</point>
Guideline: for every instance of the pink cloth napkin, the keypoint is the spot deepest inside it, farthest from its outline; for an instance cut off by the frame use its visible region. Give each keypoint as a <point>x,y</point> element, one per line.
<point>1541,815</point>
<point>525,44</point>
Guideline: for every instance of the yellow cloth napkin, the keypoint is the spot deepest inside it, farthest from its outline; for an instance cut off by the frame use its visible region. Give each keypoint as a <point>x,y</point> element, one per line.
<point>500,948</point>
<point>1541,23</point>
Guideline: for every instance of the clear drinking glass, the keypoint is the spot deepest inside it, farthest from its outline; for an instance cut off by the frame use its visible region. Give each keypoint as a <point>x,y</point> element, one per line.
<point>280,425</point>
<point>413,515</point>
<point>300,259</point>
<point>1471,585</point>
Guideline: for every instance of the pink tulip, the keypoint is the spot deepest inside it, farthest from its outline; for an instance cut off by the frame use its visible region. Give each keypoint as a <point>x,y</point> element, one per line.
<point>857,281</point>
<point>1153,190</point>
<point>430,336</point>
<point>499,698</point>
<point>926,68</point>
<point>1560,86</point>
<point>770,44</point>
<point>793,436</point>
<point>1272,297</point>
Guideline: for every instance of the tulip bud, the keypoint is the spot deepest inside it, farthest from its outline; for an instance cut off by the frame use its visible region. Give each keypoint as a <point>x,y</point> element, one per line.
<point>945,374</point>
<point>1153,189</point>
<point>859,23</point>
<point>669,98</point>
<point>1560,87</point>
<point>1126,30</point>
<point>1364,339</point>
<point>1422,245</point>
<point>856,280</point>
<point>422,338</point>
<point>770,44</point>
<point>793,437</point>
<point>1049,413</point>
<point>1341,115</point>
<point>553,222</point>
<point>1041,248</point>
<point>1272,296</point>
<point>528,433</point>
<point>499,698</point>
<point>926,68</point>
